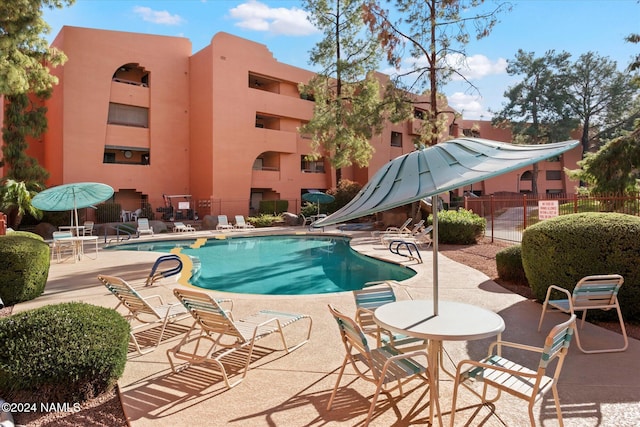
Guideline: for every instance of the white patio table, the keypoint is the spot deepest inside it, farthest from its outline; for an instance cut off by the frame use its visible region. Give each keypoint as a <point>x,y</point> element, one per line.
<point>79,241</point>
<point>455,321</point>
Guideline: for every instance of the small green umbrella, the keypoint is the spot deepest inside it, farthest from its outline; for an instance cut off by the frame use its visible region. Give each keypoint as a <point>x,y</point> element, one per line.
<point>70,197</point>
<point>317,197</point>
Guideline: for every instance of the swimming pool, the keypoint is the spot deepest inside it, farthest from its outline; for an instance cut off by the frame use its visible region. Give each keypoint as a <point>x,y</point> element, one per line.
<point>279,265</point>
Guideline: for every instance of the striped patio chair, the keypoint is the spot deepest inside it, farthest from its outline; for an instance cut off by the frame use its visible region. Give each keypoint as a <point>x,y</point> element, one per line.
<point>598,292</point>
<point>513,378</point>
<point>381,366</point>
<point>227,337</point>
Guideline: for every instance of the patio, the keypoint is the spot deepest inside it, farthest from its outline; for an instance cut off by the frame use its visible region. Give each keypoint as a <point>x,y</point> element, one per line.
<point>294,389</point>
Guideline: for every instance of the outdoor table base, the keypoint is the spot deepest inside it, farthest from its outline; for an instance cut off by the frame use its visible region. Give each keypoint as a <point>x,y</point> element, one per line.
<point>455,322</point>
<point>78,245</point>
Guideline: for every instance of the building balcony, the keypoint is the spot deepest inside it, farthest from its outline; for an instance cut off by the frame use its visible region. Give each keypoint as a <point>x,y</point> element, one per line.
<point>265,177</point>
<point>275,140</point>
<point>129,94</point>
<point>127,136</point>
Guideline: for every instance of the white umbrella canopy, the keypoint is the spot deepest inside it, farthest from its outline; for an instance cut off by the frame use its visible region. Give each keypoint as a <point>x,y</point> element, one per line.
<point>70,197</point>
<point>438,169</point>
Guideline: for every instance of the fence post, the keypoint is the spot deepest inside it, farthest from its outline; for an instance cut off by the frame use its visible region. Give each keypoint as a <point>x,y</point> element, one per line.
<point>492,217</point>
<point>524,212</point>
<point>3,224</point>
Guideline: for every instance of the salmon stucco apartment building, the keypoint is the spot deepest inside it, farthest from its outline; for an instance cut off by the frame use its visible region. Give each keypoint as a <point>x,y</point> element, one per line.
<point>147,116</point>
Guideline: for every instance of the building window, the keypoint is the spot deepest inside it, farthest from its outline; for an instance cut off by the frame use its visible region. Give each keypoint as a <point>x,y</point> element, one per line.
<point>109,158</point>
<point>396,139</point>
<point>312,166</point>
<point>131,74</point>
<point>527,176</point>
<point>472,133</point>
<point>554,175</point>
<point>418,114</point>
<point>128,115</point>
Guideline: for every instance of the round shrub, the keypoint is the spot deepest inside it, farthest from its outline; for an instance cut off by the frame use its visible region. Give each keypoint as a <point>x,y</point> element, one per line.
<point>461,227</point>
<point>509,265</point>
<point>67,352</point>
<point>562,250</point>
<point>24,267</point>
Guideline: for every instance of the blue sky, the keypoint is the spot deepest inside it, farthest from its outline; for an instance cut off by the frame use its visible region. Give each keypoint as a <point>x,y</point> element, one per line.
<point>575,26</point>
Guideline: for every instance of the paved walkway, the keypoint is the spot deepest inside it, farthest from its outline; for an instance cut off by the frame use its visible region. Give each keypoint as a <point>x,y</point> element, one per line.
<point>293,390</point>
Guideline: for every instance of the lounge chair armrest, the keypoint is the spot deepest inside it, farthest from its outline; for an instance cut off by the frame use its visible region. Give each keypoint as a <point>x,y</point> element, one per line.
<point>170,308</point>
<point>152,297</point>
<point>221,301</point>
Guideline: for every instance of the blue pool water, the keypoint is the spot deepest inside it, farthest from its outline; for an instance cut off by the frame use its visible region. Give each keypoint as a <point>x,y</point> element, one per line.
<point>279,265</point>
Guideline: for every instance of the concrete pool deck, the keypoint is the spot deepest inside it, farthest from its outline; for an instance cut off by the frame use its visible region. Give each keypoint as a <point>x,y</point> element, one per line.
<point>293,389</point>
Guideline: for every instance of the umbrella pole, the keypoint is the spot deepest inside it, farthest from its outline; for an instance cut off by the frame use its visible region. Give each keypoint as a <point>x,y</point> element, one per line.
<point>434,210</point>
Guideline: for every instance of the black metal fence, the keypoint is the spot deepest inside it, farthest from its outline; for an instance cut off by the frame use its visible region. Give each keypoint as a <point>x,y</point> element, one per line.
<point>509,214</point>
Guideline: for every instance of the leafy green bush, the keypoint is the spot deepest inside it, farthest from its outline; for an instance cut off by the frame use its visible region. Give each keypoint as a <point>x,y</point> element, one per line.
<point>273,207</point>
<point>309,209</point>
<point>24,267</point>
<point>263,220</point>
<point>509,265</point>
<point>67,352</point>
<point>147,211</point>
<point>461,227</point>
<point>27,234</point>
<point>343,194</point>
<point>562,250</point>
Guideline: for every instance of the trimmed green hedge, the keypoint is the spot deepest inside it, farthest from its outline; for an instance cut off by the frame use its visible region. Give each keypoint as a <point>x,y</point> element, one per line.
<point>24,267</point>
<point>273,207</point>
<point>509,265</point>
<point>562,250</point>
<point>67,352</point>
<point>461,227</point>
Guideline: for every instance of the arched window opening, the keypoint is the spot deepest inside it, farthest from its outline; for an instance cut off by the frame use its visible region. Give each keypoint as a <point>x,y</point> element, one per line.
<point>132,74</point>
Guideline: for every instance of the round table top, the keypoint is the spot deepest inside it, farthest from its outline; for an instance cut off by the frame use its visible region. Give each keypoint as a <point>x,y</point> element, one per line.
<point>455,321</point>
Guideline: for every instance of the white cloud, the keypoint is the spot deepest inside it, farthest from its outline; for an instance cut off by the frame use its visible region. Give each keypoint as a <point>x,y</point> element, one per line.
<point>257,16</point>
<point>475,67</point>
<point>470,106</point>
<point>157,16</point>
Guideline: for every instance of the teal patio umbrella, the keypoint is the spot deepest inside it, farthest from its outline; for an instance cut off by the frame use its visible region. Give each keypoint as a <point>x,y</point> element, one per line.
<point>436,170</point>
<point>317,197</point>
<point>71,197</point>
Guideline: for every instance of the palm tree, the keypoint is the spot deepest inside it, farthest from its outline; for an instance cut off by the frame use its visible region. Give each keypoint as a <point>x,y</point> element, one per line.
<point>15,200</point>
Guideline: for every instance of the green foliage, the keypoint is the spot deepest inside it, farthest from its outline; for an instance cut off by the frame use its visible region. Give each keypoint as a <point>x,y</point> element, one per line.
<point>614,167</point>
<point>461,227</point>
<point>309,209</point>
<point>24,119</point>
<point>24,267</point>
<point>108,212</point>
<point>349,106</point>
<point>562,250</point>
<point>67,352</point>
<point>509,265</point>
<point>343,194</point>
<point>147,211</point>
<point>273,207</point>
<point>435,30</point>
<point>27,234</point>
<point>264,220</point>
<point>25,56</point>
<point>15,200</point>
